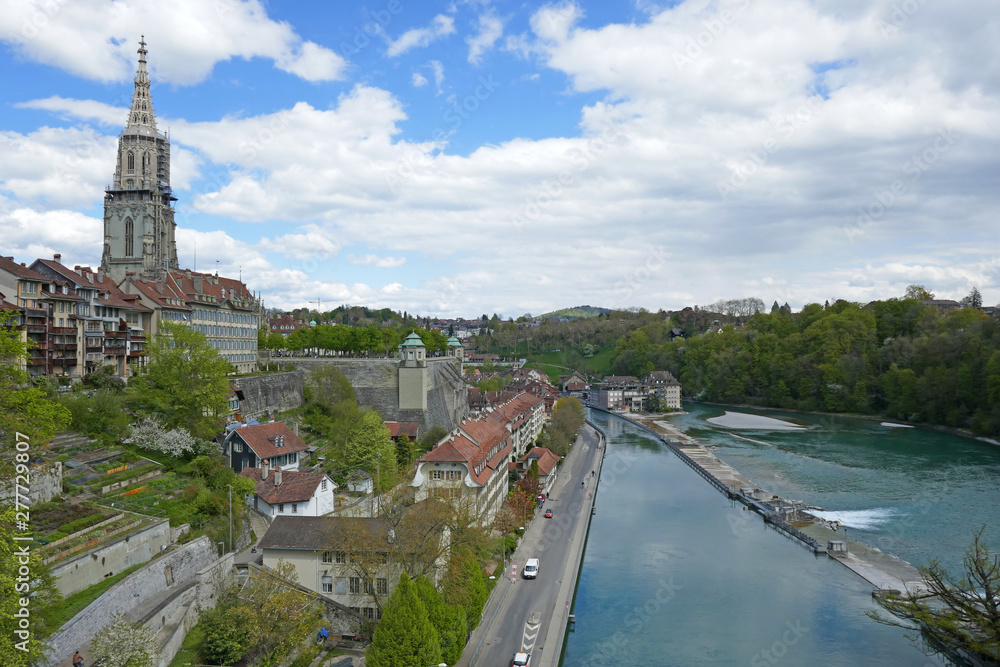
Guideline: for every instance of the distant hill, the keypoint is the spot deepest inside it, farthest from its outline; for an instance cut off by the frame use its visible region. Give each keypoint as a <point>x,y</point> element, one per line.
<point>576,313</point>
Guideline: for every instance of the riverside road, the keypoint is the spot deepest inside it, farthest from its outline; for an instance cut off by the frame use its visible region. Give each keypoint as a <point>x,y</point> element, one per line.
<point>530,615</point>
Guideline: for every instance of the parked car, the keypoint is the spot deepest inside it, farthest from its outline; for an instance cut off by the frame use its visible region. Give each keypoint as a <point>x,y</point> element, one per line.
<point>521,659</point>
<point>548,513</point>
<point>530,570</point>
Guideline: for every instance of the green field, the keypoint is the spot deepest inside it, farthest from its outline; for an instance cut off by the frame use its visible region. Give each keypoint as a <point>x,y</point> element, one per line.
<point>555,364</point>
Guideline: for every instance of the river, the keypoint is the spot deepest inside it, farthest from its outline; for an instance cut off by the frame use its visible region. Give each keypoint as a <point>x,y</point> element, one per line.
<point>677,574</point>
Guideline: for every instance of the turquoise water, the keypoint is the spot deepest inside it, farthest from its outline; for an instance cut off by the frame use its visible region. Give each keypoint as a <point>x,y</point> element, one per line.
<point>676,574</point>
<point>915,493</point>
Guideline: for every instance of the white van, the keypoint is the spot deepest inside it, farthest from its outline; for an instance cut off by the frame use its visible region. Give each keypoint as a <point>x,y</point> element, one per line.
<point>530,570</point>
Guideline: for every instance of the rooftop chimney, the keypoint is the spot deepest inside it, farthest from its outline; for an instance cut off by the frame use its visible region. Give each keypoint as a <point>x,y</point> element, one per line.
<point>277,476</point>
<point>263,469</point>
<point>57,258</point>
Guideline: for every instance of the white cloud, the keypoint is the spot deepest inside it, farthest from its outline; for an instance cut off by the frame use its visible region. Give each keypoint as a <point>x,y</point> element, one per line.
<point>376,261</point>
<point>186,38</point>
<point>419,80</point>
<point>438,70</point>
<point>314,243</point>
<point>441,26</point>
<point>490,30</point>
<point>29,234</point>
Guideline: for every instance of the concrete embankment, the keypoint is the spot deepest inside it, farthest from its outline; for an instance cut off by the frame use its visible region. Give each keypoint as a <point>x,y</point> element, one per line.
<point>883,571</point>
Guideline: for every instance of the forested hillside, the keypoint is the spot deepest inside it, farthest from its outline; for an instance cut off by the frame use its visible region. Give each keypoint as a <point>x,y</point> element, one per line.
<point>898,358</point>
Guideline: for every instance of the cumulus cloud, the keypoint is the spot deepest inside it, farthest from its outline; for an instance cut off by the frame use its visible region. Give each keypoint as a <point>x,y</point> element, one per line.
<point>376,261</point>
<point>490,29</point>
<point>795,154</point>
<point>186,38</point>
<point>441,26</point>
<point>419,80</point>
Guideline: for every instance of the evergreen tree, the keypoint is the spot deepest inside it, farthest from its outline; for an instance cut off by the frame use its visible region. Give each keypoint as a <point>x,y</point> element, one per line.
<point>447,619</point>
<point>465,585</point>
<point>404,451</point>
<point>405,636</point>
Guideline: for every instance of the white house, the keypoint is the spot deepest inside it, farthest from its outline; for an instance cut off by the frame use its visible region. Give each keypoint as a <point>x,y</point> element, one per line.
<point>290,492</point>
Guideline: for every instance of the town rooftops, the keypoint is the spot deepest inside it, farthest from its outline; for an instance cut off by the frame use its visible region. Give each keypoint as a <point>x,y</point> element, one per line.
<point>330,532</point>
<point>397,429</point>
<point>271,439</point>
<point>661,377</point>
<point>547,460</point>
<point>295,486</point>
<point>20,270</point>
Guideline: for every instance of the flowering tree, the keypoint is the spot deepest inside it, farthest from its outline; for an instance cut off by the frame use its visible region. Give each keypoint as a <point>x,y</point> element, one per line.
<point>148,433</point>
<point>121,644</point>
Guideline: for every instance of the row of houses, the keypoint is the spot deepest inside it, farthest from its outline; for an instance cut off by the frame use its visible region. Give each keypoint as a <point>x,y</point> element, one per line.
<point>79,320</point>
<point>659,389</point>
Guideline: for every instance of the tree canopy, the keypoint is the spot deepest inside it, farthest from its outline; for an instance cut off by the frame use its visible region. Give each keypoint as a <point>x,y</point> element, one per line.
<point>899,358</point>
<point>405,636</point>
<point>186,380</point>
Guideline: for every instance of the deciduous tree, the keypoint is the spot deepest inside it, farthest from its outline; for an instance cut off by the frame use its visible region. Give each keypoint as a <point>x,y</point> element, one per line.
<point>122,644</point>
<point>186,380</point>
<point>956,614</point>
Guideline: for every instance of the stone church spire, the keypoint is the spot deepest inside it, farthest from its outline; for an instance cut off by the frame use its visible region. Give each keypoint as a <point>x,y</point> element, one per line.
<point>141,113</point>
<point>139,225</point>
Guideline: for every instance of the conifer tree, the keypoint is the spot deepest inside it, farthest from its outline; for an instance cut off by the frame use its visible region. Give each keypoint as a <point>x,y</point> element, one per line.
<point>465,584</point>
<point>447,619</point>
<point>405,636</point>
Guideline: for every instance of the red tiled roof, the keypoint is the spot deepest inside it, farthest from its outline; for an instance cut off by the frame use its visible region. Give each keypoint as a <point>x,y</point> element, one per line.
<point>260,438</point>
<point>471,446</point>
<point>547,460</point>
<point>8,264</point>
<point>295,486</point>
<point>397,429</point>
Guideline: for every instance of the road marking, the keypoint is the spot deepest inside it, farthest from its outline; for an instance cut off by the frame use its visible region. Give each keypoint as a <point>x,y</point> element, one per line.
<point>531,628</point>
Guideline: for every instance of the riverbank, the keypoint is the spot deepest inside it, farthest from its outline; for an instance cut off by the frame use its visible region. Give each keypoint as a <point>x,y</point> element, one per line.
<point>883,571</point>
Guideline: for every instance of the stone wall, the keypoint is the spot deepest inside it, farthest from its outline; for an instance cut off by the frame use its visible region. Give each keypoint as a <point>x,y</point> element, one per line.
<point>91,567</point>
<point>376,384</point>
<point>44,483</point>
<point>173,568</point>
<point>268,394</point>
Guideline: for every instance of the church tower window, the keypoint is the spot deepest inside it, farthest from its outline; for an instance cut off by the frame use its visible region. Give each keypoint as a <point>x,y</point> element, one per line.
<point>131,161</point>
<point>129,238</point>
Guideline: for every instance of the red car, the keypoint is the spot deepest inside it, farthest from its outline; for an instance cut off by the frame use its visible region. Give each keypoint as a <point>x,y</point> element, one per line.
<point>548,514</point>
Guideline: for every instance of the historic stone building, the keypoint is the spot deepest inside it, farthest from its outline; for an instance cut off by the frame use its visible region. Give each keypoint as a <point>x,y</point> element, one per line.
<point>138,213</point>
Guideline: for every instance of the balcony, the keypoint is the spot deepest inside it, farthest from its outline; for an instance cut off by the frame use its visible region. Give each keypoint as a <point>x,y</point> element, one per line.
<point>94,356</point>
<point>115,334</point>
<point>37,328</point>
<point>63,346</point>
<point>66,331</point>
<point>137,354</point>
<point>36,361</point>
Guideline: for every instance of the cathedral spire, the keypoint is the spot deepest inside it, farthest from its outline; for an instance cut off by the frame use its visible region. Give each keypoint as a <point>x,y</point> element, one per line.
<point>141,113</point>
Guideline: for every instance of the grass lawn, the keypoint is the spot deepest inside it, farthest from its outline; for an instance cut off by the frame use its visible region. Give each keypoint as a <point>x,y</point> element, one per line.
<point>188,653</point>
<point>555,364</point>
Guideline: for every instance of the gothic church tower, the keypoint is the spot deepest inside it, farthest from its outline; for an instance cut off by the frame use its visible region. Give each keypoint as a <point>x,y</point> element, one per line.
<point>138,217</point>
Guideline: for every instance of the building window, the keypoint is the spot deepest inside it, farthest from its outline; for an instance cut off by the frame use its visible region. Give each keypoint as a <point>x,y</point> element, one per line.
<point>327,556</point>
<point>382,586</point>
<point>238,447</point>
<point>281,507</point>
<point>322,485</point>
<point>327,584</point>
<point>436,474</point>
<point>355,585</point>
<point>340,557</point>
<point>129,236</point>
<point>295,508</point>
<point>131,161</point>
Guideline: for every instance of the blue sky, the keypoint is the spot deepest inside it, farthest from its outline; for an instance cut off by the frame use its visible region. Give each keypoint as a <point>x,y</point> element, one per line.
<point>467,157</point>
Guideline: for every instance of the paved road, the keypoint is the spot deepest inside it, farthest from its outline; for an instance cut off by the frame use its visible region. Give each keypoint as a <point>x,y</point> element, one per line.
<point>526,614</point>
